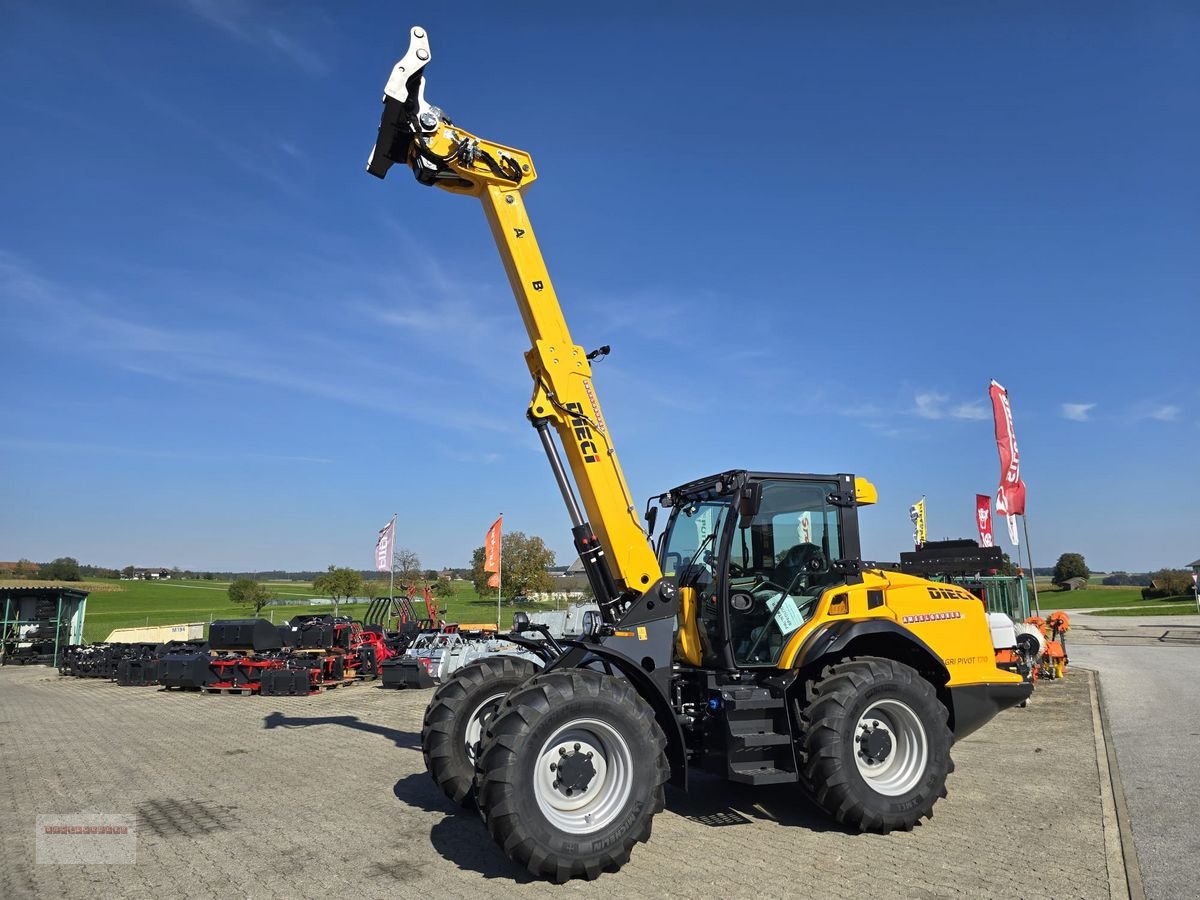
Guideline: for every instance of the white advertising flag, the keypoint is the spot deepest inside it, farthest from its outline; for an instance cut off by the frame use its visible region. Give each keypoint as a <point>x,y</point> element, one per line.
<point>383,547</point>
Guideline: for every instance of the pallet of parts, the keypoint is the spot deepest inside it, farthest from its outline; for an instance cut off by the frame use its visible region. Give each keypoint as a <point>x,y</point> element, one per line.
<point>242,690</point>
<point>288,682</point>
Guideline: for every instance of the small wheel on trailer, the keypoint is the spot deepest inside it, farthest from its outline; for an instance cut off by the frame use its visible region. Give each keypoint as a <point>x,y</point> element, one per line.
<point>876,749</point>
<point>571,774</point>
<point>455,718</point>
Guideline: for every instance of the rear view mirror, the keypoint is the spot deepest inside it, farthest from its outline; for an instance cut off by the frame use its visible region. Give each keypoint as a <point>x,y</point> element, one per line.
<point>651,518</point>
<point>749,500</point>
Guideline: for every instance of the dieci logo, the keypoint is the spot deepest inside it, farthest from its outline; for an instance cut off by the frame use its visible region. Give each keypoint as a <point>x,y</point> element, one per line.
<point>583,433</point>
<point>949,594</point>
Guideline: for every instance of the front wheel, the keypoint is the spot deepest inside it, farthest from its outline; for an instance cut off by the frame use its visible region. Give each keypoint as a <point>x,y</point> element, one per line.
<point>571,773</point>
<point>456,715</point>
<point>876,744</point>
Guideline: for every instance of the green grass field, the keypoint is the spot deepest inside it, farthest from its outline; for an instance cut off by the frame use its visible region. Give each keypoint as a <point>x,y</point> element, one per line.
<point>1170,606</point>
<point>1088,598</point>
<point>1114,601</point>
<point>128,604</point>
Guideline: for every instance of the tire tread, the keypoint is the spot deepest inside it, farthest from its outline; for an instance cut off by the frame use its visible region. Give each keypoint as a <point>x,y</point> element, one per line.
<point>498,759</point>
<point>825,776</point>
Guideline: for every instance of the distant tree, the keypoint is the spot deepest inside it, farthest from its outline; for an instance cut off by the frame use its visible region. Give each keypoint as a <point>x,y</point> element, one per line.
<point>1169,583</point>
<point>526,561</point>
<point>431,574</point>
<point>407,566</point>
<point>1070,565</point>
<point>248,592</point>
<point>1007,566</point>
<point>371,588</point>
<point>207,576</point>
<point>479,578</point>
<point>523,564</point>
<point>128,571</point>
<point>338,585</point>
<point>443,589</point>
<point>65,568</point>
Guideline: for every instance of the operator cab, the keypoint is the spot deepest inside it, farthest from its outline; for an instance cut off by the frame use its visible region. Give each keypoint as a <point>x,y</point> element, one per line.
<point>760,549</point>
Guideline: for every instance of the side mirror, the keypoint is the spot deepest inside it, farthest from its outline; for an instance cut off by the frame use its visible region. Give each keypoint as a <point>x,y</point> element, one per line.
<point>651,518</point>
<point>673,562</point>
<point>520,622</point>
<point>749,501</point>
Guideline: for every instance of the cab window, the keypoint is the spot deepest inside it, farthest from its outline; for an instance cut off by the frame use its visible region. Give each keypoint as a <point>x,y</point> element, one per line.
<point>690,555</point>
<point>779,565</point>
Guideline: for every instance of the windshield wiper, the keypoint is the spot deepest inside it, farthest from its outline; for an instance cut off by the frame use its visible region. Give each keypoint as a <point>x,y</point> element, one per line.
<point>695,556</point>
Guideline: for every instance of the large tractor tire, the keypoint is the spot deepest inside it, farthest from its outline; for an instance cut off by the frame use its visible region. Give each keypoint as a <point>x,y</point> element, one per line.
<point>455,717</point>
<point>876,748</point>
<point>571,774</point>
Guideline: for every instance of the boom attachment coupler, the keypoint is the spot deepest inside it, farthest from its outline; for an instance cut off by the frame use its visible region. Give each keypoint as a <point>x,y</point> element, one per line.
<point>415,133</point>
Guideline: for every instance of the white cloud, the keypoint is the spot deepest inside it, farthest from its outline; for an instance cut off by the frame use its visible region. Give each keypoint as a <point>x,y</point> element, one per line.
<point>243,21</point>
<point>115,334</point>
<point>973,410</point>
<point>1166,413</point>
<point>1077,412</point>
<point>247,158</point>
<point>91,449</point>
<point>932,405</point>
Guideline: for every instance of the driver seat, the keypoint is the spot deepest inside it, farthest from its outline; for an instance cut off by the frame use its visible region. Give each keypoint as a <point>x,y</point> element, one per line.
<point>796,560</point>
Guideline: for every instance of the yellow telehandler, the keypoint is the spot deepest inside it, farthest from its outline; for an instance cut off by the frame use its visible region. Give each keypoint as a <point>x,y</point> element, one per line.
<point>754,643</point>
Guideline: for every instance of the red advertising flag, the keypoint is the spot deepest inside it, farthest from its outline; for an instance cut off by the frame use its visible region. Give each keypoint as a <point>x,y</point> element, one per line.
<point>491,553</point>
<point>983,518</point>
<point>1010,498</point>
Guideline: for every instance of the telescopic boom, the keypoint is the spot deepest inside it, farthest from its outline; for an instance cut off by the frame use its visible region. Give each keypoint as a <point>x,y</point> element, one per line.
<point>608,534</point>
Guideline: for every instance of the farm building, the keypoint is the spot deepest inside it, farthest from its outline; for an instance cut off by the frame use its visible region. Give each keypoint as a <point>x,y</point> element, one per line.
<point>40,622</point>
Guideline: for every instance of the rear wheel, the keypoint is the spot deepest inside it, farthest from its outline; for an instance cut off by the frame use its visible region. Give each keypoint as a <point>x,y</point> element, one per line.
<point>456,715</point>
<point>571,774</point>
<point>876,744</point>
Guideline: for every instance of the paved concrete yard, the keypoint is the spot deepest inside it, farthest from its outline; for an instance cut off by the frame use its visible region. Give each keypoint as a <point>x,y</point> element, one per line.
<point>1149,667</point>
<point>328,796</point>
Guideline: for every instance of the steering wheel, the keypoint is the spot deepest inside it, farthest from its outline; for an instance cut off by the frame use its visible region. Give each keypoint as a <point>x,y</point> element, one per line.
<point>806,558</point>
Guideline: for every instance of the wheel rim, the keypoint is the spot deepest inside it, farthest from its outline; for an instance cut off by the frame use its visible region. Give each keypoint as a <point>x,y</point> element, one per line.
<point>890,747</point>
<point>598,767</point>
<point>482,713</point>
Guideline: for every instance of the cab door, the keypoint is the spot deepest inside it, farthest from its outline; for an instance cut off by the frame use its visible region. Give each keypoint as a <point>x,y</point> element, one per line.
<point>780,562</point>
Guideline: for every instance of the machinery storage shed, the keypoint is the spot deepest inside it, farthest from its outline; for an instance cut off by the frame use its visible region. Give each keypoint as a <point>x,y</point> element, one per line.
<point>40,622</point>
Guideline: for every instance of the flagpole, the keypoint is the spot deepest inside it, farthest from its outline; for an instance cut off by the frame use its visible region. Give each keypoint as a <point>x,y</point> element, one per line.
<point>499,581</point>
<point>392,562</point>
<point>1037,607</point>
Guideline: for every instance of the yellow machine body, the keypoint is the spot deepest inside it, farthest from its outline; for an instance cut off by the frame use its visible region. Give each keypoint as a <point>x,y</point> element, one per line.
<point>948,619</point>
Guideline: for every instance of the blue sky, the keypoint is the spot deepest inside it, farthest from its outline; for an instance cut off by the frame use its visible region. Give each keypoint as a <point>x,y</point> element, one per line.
<point>811,236</point>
